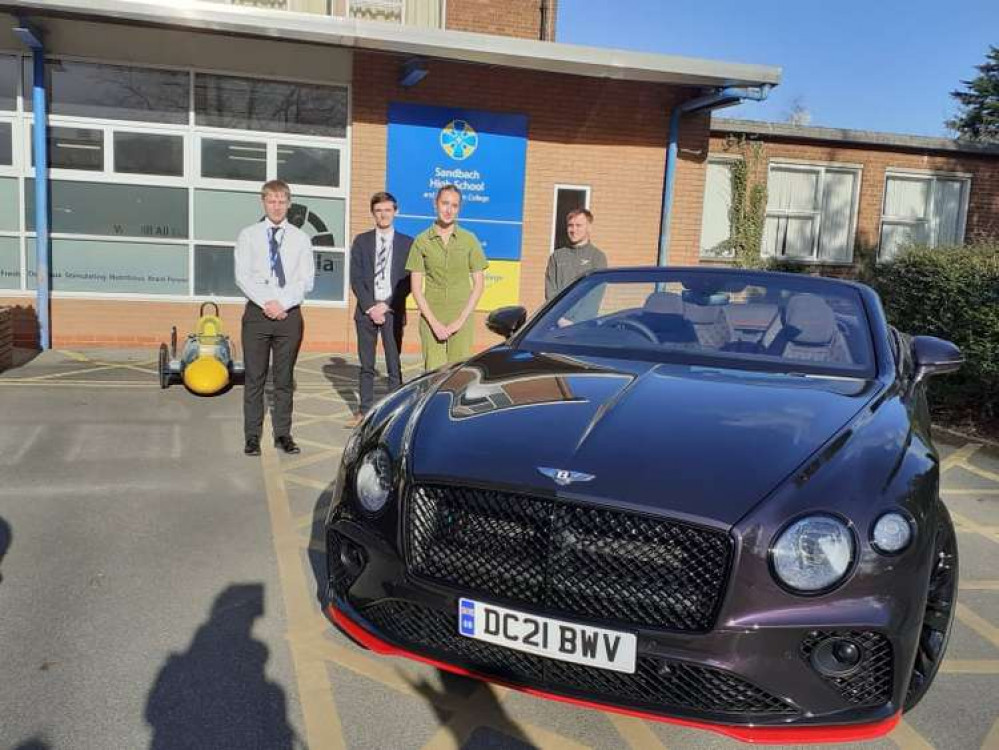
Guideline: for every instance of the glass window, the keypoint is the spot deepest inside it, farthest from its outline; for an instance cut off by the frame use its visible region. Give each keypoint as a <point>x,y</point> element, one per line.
<point>214,272</point>
<point>74,148</point>
<point>233,160</point>
<point>320,218</point>
<point>10,263</point>
<point>810,212</point>
<point>329,276</point>
<point>116,210</point>
<point>304,165</point>
<point>715,223</point>
<point>220,214</point>
<point>6,143</point>
<point>8,82</point>
<point>566,199</point>
<point>114,267</point>
<point>149,153</point>
<point>922,210</point>
<point>9,205</point>
<point>114,92</point>
<point>270,106</point>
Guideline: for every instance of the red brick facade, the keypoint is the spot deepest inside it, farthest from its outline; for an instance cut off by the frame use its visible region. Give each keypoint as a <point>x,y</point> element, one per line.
<point>875,160</point>
<point>527,19</point>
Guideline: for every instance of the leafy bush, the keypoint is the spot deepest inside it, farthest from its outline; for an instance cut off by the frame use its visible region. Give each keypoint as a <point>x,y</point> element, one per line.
<point>953,293</point>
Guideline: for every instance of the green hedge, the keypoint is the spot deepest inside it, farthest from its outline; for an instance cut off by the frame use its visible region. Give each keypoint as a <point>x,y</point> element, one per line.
<point>953,293</point>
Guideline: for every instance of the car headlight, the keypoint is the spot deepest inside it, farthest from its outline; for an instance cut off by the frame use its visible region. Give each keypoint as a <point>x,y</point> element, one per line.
<point>374,480</point>
<point>891,534</point>
<point>813,553</point>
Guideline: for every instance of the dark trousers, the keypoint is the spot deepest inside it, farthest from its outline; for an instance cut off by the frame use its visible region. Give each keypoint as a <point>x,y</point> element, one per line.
<point>367,342</point>
<point>263,340</point>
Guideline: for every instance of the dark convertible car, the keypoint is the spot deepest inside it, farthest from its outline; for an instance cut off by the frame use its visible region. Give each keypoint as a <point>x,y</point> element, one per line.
<point>707,496</point>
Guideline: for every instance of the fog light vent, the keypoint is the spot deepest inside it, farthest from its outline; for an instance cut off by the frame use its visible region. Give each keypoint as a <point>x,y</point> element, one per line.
<point>858,663</point>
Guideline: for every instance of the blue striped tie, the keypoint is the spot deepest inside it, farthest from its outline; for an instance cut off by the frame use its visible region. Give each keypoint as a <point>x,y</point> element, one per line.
<point>277,267</point>
<point>382,260</point>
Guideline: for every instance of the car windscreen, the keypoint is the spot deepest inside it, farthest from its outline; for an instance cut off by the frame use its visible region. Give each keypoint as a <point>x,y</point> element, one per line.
<point>758,321</point>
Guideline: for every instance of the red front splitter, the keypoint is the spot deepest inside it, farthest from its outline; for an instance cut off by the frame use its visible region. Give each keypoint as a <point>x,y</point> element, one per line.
<point>753,735</point>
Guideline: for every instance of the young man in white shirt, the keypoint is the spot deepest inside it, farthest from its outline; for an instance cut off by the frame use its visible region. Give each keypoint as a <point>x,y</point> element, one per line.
<point>275,269</point>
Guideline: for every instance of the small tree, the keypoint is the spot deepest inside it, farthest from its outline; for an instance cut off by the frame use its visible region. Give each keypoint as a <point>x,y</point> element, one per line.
<point>978,118</point>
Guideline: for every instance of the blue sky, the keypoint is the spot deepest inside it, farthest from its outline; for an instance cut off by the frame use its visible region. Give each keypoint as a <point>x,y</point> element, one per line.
<point>875,65</point>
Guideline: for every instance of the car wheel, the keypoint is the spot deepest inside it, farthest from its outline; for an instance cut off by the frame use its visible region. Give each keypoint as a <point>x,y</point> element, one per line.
<point>164,366</point>
<point>938,616</point>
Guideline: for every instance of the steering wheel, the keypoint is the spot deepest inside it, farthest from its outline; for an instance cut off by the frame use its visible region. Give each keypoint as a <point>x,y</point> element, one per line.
<point>636,325</point>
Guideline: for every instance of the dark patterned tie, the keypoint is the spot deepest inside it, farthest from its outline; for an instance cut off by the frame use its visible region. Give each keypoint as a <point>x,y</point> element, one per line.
<point>277,267</point>
<point>381,262</point>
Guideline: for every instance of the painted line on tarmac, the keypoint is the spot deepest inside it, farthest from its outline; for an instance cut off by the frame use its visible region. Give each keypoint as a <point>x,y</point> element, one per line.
<point>979,624</point>
<point>965,524</point>
<point>969,492</point>
<point>637,733</point>
<point>979,585</point>
<point>78,383</point>
<point>311,484</point>
<point>958,457</point>
<point>992,738</point>
<point>907,738</point>
<point>323,730</point>
<point>970,666</point>
<point>979,471</point>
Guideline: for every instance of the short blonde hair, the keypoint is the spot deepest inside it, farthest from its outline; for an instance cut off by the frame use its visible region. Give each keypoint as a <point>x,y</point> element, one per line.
<point>275,186</point>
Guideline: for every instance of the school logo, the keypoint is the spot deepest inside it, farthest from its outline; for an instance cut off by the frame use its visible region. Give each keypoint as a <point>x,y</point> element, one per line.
<point>459,140</point>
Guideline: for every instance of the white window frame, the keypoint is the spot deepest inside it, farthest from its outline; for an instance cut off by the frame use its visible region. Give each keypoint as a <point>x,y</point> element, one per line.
<point>728,160</point>
<point>191,180</point>
<point>932,225</point>
<point>564,186</point>
<point>822,167</point>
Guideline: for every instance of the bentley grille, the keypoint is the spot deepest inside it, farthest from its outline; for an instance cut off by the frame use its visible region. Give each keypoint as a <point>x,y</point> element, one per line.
<point>567,559</point>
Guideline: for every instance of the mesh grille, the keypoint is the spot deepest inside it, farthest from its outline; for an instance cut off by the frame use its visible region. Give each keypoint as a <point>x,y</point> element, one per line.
<point>656,682</point>
<point>568,559</point>
<point>871,684</point>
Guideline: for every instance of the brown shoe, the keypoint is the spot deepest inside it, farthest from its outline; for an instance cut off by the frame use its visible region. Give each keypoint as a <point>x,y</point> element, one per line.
<point>355,420</point>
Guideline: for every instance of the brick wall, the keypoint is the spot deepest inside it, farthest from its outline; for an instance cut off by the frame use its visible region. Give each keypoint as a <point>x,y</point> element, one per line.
<point>518,18</point>
<point>983,203</point>
<point>610,135</point>
<point>6,338</point>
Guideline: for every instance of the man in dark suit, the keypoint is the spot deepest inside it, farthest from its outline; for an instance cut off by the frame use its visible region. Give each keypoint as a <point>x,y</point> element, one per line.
<point>380,282</point>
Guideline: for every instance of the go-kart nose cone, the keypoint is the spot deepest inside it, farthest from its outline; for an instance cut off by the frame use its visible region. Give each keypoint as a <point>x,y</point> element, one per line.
<point>205,376</point>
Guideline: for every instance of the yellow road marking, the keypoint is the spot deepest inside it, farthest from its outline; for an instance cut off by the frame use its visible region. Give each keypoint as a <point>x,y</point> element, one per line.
<point>979,624</point>
<point>983,473</point>
<point>637,733</point>
<point>75,383</point>
<point>969,492</point>
<point>979,585</point>
<point>907,738</point>
<point>300,463</point>
<point>317,444</point>
<point>312,484</point>
<point>322,720</point>
<point>963,523</point>
<point>959,456</point>
<point>74,355</point>
<point>970,666</point>
<point>992,738</point>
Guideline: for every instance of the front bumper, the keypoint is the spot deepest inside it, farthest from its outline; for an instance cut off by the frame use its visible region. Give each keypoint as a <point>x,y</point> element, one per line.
<point>755,685</point>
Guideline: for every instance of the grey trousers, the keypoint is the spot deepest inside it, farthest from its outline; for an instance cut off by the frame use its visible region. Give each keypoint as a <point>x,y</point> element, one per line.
<point>265,340</point>
<point>367,343</point>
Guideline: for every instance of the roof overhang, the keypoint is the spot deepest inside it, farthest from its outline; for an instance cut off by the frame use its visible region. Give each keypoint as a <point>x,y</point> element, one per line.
<point>458,46</point>
<point>894,141</point>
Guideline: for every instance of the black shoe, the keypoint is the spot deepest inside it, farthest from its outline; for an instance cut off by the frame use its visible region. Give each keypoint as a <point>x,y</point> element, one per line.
<point>252,447</point>
<point>286,444</point>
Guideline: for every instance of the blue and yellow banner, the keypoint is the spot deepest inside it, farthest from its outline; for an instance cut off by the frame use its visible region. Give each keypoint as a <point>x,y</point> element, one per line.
<point>482,153</point>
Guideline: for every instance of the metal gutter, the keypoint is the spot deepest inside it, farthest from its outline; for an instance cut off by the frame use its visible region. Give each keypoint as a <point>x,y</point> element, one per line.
<point>726,97</point>
<point>458,46</point>
<point>851,137</point>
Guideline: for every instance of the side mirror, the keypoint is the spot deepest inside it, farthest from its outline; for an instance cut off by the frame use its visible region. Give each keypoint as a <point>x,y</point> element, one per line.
<point>935,356</point>
<point>506,321</point>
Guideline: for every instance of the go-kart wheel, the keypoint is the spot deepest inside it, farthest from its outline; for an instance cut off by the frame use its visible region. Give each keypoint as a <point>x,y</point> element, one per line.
<point>164,366</point>
<point>938,614</point>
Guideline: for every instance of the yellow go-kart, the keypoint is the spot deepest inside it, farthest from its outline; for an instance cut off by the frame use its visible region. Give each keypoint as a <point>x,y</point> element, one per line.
<point>205,364</point>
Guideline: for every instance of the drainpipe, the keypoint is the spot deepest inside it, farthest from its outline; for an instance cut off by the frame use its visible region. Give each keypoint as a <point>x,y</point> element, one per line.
<point>32,38</point>
<point>725,97</point>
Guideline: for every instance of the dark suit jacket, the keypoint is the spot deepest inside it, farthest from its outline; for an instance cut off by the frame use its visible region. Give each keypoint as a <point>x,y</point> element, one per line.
<point>362,272</point>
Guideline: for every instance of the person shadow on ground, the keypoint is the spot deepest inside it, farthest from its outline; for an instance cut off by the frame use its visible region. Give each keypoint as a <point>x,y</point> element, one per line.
<point>216,694</point>
<point>6,536</point>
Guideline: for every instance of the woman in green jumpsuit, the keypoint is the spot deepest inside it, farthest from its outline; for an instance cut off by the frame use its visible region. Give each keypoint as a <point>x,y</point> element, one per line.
<point>447,264</point>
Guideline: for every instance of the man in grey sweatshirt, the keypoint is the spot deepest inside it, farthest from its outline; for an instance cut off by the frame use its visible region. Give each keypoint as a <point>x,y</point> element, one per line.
<point>569,263</point>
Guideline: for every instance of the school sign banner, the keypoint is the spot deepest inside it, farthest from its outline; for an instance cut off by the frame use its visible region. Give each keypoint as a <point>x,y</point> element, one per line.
<point>484,154</point>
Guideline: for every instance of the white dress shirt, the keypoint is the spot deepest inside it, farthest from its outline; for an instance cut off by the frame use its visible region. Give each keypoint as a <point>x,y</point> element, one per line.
<point>383,282</point>
<point>253,264</point>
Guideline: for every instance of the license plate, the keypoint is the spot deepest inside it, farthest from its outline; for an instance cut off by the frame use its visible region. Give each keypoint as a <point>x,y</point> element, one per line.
<point>546,636</point>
